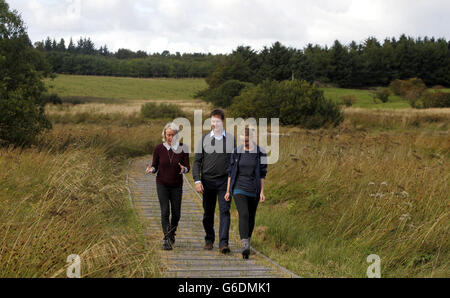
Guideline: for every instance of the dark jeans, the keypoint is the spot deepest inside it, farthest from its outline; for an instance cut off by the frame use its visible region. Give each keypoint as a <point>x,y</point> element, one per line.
<point>213,191</point>
<point>246,207</point>
<point>169,200</point>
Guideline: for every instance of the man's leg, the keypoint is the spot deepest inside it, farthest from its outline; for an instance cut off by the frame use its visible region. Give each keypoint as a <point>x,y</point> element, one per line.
<point>209,206</point>
<point>224,208</point>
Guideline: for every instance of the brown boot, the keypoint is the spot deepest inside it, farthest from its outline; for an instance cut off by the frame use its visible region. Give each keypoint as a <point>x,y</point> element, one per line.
<point>208,246</point>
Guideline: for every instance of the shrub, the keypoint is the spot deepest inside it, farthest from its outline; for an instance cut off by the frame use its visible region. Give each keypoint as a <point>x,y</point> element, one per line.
<point>224,94</point>
<point>73,100</point>
<point>437,100</point>
<point>294,102</point>
<point>52,98</point>
<point>154,111</point>
<point>396,87</point>
<point>413,90</point>
<point>348,100</point>
<point>401,88</point>
<point>414,97</point>
<point>382,94</point>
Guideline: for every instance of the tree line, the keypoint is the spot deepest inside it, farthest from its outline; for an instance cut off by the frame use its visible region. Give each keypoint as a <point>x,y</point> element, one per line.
<point>84,58</point>
<point>370,63</point>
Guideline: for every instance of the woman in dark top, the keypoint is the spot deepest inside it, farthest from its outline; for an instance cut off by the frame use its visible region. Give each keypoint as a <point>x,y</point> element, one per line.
<point>170,162</point>
<point>246,176</point>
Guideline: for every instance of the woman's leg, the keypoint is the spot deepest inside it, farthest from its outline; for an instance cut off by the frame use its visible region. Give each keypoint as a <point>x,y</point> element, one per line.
<point>164,198</point>
<point>241,202</point>
<point>252,206</point>
<point>175,204</point>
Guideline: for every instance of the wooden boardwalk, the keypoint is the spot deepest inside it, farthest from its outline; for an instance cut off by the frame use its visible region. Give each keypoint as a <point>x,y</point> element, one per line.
<point>188,258</point>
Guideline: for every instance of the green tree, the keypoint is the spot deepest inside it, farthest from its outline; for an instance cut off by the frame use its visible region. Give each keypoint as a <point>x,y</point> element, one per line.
<point>71,46</point>
<point>22,67</point>
<point>294,102</point>
<point>276,63</point>
<point>340,70</point>
<point>61,45</point>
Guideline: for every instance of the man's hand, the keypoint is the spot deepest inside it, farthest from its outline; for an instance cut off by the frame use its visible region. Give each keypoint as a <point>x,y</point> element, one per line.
<point>227,196</point>
<point>199,187</point>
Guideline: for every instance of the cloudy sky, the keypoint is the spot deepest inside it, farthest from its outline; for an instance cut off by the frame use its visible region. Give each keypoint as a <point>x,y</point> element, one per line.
<point>219,26</point>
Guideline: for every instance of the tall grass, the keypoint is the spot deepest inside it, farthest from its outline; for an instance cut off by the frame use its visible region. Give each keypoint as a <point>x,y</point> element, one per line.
<point>72,202</point>
<point>125,114</point>
<point>337,196</point>
<point>400,119</point>
<point>117,142</point>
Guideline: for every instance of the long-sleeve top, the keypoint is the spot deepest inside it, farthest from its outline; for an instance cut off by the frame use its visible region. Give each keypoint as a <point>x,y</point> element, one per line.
<point>212,166</point>
<point>260,170</point>
<point>165,162</point>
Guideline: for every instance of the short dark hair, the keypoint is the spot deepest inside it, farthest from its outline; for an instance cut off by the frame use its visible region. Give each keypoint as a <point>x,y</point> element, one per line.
<point>218,112</point>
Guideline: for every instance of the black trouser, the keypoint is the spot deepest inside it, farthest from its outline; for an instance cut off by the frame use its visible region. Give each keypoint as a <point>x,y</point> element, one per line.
<point>213,191</point>
<point>246,207</point>
<point>169,198</point>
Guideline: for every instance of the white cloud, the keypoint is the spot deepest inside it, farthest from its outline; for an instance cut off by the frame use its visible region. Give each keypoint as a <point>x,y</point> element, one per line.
<point>219,26</point>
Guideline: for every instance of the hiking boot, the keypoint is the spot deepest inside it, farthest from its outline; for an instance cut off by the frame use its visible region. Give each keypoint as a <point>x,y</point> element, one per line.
<point>171,238</point>
<point>171,234</point>
<point>245,248</point>
<point>167,245</point>
<point>208,246</point>
<point>225,249</point>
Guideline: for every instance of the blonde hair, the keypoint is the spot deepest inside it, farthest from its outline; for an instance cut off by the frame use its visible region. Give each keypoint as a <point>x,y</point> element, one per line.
<point>171,126</point>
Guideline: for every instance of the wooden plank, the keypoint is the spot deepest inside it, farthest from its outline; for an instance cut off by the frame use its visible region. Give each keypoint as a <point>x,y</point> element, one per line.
<point>188,258</point>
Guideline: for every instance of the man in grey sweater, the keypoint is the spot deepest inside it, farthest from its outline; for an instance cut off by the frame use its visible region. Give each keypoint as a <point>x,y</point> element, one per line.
<point>210,176</point>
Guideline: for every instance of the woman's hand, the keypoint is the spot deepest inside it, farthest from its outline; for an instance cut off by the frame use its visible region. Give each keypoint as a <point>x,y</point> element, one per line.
<point>227,196</point>
<point>149,170</point>
<point>262,197</point>
<point>182,168</point>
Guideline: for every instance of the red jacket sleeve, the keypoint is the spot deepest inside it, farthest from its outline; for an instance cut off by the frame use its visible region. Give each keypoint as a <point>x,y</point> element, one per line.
<point>155,162</point>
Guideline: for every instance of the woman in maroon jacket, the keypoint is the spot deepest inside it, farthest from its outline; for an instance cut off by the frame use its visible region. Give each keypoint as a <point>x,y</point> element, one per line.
<point>170,162</point>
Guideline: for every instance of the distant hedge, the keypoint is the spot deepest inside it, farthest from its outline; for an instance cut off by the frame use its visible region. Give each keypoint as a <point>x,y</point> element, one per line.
<point>437,100</point>
<point>293,102</point>
<point>416,93</point>
<point>155,111</point>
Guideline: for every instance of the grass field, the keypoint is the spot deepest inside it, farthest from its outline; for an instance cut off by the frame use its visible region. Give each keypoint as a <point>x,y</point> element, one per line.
<point>365,99</point>
<point>117,90</point>
<point>125,88</point>
<point>377,184</point>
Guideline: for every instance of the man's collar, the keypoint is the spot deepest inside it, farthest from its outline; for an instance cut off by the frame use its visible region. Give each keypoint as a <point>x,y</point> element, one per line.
<point>174,147</point>
<point>212,133</point>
